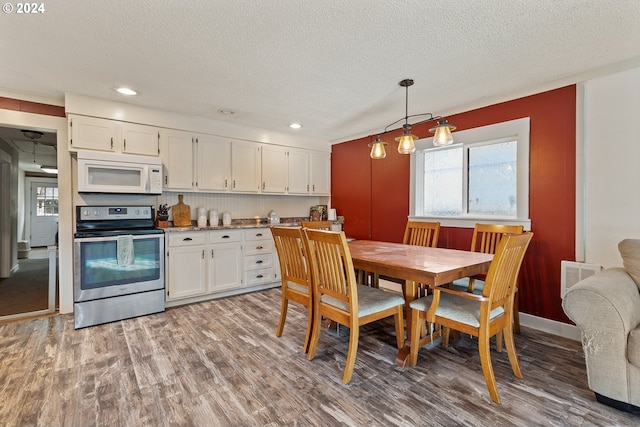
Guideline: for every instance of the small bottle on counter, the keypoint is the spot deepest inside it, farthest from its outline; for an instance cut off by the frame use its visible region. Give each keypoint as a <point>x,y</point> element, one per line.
<point>213,218</point>
<point>226,218</point>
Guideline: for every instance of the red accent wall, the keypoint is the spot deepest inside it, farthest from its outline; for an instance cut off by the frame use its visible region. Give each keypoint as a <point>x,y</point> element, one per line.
<point>31,107</point>
<point>373,195</point>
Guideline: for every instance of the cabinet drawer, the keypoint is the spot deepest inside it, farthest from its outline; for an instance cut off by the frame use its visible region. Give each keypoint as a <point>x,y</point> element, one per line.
<point>187,239</point>
<point>258,247</point>
<point>226,236</point>
<point>259,277</point>
<point>257,234</point>
<point>255,262</point>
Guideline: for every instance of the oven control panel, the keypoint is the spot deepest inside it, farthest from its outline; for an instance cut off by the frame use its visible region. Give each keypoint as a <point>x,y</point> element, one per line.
<point>93,213</point>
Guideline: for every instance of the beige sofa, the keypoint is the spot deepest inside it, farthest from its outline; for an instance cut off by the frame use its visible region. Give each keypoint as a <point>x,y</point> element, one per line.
<point>606,307</point>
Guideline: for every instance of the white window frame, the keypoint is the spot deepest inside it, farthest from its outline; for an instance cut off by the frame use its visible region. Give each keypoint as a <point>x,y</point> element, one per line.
<point>500,132</point>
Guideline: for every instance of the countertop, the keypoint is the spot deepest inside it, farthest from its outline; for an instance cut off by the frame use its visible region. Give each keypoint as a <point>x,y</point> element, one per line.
<point>242,224</point>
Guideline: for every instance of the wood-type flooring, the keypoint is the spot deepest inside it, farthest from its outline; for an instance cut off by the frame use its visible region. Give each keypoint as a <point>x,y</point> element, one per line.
<point>219,363</point>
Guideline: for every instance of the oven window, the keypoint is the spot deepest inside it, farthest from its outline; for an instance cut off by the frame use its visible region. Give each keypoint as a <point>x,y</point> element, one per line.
<point>100,267</point>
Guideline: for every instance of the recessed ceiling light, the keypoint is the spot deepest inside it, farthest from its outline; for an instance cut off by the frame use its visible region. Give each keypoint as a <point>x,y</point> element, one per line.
<point>295,125</point>
<point>226,111</point>
<point>126,91</point>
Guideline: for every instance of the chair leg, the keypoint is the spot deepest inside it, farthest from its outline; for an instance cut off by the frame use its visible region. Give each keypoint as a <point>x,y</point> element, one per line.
<point>487,368</point>
<point>283,315</point>
<point>416,327</point>
<point>499,342</point>
<point>315,334</point>
<point>516,313</point>
<point>445,336</point>
<point>511,351</point>
<point>307,337</point>
<point>354,335</point>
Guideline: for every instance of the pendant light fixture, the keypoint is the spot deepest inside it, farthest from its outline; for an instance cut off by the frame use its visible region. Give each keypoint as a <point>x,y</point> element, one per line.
<point>406,141</point>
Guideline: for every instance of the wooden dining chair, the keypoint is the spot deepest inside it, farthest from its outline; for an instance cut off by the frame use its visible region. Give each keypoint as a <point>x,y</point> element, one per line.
<point>319,225</point>
<point>420,233</point>
<point>482,316</point>
<point>295,275</point>
<point>338,297</point>
<point>485,239</point>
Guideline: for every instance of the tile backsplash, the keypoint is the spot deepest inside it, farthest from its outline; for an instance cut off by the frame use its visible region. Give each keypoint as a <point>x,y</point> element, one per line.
<point>243,206</point>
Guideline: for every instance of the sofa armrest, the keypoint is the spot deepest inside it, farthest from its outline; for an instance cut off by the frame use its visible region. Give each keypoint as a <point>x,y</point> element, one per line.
<point>606,307</point>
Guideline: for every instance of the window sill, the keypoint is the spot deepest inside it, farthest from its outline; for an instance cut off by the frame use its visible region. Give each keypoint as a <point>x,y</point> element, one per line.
<point>471,222</point>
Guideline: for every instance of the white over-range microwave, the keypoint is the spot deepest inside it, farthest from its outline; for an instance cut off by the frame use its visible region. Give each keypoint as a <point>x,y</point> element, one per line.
<point>118,173</point>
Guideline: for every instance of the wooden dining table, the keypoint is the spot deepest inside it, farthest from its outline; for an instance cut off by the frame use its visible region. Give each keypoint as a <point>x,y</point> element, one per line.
<point>416,264</point>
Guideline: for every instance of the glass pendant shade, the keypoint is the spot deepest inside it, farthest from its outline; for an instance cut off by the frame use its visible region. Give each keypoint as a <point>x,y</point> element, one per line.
<point>377,149</point>
<point>406,144</point>
<point>442,133</point>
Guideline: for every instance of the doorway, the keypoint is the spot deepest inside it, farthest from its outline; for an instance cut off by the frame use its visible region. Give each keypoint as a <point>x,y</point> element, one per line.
<point>32,214</point>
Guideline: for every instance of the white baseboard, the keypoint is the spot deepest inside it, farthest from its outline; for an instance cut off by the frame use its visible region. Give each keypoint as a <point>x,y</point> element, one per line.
<point>551,326</point>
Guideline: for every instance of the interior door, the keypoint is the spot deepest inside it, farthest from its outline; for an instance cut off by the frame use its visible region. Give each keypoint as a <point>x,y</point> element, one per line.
<point>44,213</point>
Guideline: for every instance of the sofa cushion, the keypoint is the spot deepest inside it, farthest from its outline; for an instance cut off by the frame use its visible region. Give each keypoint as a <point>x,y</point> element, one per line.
<point>633,347</point>
<point>630,252</point>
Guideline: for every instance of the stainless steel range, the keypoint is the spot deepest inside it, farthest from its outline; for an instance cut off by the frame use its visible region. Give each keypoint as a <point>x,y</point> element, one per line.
<point>118,264</point>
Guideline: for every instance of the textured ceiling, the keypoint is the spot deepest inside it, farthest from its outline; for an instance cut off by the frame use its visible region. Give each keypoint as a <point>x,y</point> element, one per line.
<point>333,66</point>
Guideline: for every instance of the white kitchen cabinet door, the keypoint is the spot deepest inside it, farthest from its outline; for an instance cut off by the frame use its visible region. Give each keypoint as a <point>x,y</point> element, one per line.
<point>213,163</point>
<point>176,151</point>
<point>275,167</point>
<point>140,139</point>
<point>92,133</point>
<point>298,172</point>
<point>186,272</point>
<point>321,174</point>
<point>245,167</point>
<point>225,266</point>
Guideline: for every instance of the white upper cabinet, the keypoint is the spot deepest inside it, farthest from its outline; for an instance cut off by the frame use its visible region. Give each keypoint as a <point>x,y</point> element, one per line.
<point>320,174</point>
<point>298,171</point>
<point>140,139</point>
<point>245,167</point>
<point>213,163</point>
<point>91,133</point>
<point>275,168</point>
<point>176,152</point>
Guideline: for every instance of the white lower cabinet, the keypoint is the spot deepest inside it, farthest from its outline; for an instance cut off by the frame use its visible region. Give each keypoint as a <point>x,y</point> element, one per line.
<point>205,264</point>
<point>259,257</point>
<point>186,265</point>
<point>225,262</point>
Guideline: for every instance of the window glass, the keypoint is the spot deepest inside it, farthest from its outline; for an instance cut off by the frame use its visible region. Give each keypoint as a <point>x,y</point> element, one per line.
<point>47,201</point>
<point>443,182</point>
<point>492,179</point>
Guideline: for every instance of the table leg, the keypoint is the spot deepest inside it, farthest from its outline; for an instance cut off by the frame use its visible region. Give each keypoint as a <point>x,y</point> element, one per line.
<point>410,292</point>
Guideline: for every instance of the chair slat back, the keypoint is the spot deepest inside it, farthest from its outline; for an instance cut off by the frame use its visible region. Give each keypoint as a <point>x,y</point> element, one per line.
<point>332,266</point>
<point>501,281</point>
<point>318,225</point>
<point>419,233</point>
<point>291,255</point>
<point>486,237</point>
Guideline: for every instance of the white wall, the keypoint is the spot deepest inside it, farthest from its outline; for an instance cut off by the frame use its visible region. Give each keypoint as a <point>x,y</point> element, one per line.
<point>611,163</point>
